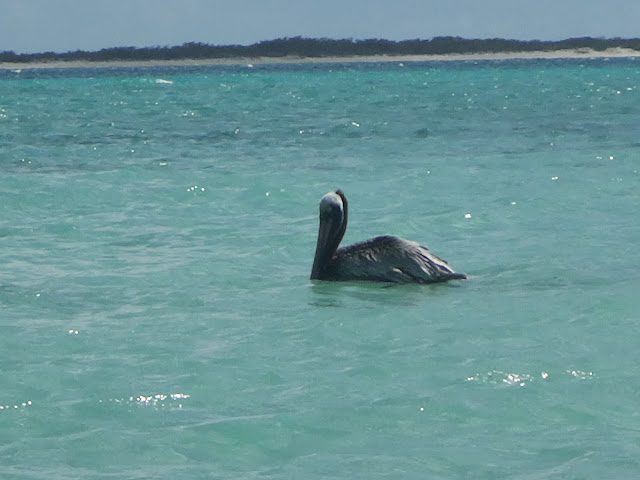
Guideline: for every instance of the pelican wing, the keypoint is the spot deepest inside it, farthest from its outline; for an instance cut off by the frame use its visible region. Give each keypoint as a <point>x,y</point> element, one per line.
<point>391,259</point>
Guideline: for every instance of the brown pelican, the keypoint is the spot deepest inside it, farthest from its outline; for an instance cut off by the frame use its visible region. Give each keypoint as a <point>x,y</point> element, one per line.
<point>380,259</point>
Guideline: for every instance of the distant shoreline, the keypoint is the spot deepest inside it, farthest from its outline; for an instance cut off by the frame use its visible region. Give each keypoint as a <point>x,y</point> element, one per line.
<point>532,55</point>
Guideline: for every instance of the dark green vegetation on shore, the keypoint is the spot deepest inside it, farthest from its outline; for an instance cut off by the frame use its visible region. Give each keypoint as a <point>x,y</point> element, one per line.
<point>310,47</point>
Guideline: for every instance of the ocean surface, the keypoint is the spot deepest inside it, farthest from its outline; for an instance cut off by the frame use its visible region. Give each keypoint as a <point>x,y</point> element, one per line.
<point>157,232</point>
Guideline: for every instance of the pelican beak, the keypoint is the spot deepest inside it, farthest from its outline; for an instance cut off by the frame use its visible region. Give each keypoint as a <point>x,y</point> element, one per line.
<point>331,218</point>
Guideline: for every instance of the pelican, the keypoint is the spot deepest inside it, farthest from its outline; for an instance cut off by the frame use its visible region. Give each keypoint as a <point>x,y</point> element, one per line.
<point>379,259</point>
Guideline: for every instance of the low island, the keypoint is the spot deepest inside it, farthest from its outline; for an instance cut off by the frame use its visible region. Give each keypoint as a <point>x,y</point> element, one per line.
<point>305,50</point>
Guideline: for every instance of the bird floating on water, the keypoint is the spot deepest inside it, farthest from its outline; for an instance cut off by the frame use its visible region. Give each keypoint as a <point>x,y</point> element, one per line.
<point>379,259</point>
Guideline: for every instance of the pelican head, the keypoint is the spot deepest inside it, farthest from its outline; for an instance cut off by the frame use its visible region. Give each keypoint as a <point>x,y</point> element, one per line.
<point>333,224</point>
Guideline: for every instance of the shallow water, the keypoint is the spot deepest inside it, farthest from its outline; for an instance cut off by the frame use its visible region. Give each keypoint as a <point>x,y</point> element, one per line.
<point>158,228</point>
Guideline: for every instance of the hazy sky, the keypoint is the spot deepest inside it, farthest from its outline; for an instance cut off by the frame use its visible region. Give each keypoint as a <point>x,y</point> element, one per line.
<point>62,25</point>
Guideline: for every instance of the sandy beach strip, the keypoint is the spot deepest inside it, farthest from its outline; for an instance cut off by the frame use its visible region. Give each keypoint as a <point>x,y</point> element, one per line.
<point>572,53</point>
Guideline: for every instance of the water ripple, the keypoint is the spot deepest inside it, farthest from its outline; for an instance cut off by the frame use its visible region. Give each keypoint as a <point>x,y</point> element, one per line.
<point>499,377</point>
<point>158,400</point>
<point>16,406</point>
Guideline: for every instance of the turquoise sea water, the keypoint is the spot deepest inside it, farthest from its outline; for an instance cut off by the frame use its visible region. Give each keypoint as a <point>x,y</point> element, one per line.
<point>157,231</point>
